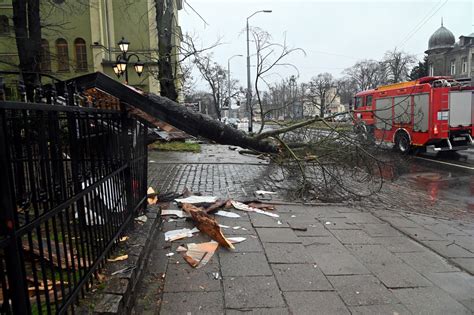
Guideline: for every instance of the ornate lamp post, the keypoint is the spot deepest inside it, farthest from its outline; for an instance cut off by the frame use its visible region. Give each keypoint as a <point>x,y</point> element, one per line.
<point>120,67</point>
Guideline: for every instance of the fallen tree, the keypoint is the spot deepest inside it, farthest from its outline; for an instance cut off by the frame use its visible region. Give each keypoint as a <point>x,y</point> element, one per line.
<point>155,108</point>
<point>314,158</point>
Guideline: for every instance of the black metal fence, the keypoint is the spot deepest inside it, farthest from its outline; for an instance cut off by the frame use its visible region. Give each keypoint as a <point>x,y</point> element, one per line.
<point>71,179</point>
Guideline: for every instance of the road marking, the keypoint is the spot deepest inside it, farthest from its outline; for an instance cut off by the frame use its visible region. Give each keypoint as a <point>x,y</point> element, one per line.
<point>446,163</point>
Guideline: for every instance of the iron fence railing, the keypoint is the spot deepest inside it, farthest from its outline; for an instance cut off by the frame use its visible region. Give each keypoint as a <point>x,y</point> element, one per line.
<point>72,178</point>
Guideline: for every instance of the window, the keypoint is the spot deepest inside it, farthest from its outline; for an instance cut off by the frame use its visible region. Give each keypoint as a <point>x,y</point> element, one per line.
<point>4,25</point>
<point>45,56</point>
<point>62,54</point>
<point>431,71</point>
<point>358,102</point>
<point>453,67</point>
<point>464,65</point>
<point>81,54</point>
<point>368,101</point>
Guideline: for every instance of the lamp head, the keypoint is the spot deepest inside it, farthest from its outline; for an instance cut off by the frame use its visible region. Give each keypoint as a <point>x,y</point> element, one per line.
<point>139,67</point>
<point>123,45</point>
<point>122,65</point>
<point>116,71</point>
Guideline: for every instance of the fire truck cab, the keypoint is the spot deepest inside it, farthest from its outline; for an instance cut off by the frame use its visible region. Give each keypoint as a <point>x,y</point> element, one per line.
<point>436,113</point>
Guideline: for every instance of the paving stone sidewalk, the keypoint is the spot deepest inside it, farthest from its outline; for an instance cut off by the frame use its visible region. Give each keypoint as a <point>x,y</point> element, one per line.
<point>345,262</point>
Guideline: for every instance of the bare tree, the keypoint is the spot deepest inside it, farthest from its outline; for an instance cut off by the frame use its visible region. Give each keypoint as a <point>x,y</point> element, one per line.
<point>347,90</point>
<point>367,74</point>
<point>397,65</point>
<point>323,90</point>
<point>270,56</point>
<point>216,78</point>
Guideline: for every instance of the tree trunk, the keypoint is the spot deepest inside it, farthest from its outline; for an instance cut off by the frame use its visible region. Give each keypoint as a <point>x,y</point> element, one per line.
<point>179,116</point>
<point>164,22</point>
<point>322,107</point>
<point>27,24</point>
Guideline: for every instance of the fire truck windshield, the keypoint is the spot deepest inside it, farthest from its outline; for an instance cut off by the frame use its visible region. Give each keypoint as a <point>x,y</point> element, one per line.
<point>358,102</point>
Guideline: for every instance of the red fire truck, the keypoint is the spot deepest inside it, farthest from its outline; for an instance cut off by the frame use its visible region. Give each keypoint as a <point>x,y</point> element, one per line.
<point>435,113</point>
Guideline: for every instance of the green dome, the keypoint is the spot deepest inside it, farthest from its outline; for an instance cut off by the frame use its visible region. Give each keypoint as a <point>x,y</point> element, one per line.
<point>442,38</point>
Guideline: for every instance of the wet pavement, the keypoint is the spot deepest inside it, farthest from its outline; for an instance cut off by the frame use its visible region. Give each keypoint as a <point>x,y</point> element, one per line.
<point>365,258</point>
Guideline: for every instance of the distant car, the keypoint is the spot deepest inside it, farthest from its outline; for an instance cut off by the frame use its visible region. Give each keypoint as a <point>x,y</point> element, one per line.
<point>342,118</point>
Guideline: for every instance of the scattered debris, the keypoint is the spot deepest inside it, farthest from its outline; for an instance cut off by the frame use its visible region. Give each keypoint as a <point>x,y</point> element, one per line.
<point>264,192</point>
<point>177,213</point>
<point>206,224</point>
<point>198,255</point>
<point>236,228</point>
<point>169,254</point>
<point>215,206</point>
<point>279,222</point>
<point>124,270</point>
<point>327,223</point>
<point>181,249</point>
<point>293,216</point>
<point>118,258</point>
<point>174,235</point>
<point>235,240</point>
<point>123,239</point>
<point>260,205</point>
<point>153,199</point>
<point>216,275</point>
<point>243,207</point>
<point>91,218</point>
<point>197,199</point>
<point>141,219</point>
<point>224,226</point>
<point>227,214</point>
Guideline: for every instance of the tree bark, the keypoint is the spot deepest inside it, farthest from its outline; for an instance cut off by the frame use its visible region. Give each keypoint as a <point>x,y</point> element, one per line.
<point>164,23</point>
<point>27,24</point>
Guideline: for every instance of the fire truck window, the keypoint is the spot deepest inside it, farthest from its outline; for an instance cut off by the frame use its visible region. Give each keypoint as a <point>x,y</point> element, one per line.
<point>358,102</point>
<point>368,101</point>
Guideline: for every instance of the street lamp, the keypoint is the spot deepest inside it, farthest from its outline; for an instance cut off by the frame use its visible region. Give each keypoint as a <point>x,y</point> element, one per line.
<point>249,86</point>
<point>120,66</point>
<point>228,79</point>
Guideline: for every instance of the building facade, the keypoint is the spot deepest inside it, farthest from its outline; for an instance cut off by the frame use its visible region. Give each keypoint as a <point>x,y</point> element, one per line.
<point>333,105</point>
<point>82,36</point>
<point>446,57</point>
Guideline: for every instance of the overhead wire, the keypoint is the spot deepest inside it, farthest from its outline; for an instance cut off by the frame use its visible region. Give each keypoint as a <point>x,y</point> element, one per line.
<point>419,27</point>
<point>420,22</point>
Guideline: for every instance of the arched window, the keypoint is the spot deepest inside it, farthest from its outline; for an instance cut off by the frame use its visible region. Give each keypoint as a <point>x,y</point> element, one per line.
<point>45,56</point>
<point>4,25</point>
<point>62,54</point>
<point>81,54</point>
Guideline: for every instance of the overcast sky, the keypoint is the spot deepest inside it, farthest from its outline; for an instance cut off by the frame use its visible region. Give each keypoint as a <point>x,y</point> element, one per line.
<point>334,34</point>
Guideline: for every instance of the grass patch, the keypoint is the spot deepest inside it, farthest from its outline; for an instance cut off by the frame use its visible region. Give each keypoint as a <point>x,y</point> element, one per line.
<point>176,146</point>
<point>339,126</point>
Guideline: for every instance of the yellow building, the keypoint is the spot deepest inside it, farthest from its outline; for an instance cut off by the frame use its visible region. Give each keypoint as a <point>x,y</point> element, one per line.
<point>80,37</point>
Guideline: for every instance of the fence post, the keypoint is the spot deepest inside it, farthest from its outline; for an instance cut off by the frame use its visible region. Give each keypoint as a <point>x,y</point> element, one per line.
<point>14,250</point>
<point>126,151</point>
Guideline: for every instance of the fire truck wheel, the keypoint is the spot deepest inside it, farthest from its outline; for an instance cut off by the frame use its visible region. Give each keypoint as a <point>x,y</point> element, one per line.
<point>402,142</point>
